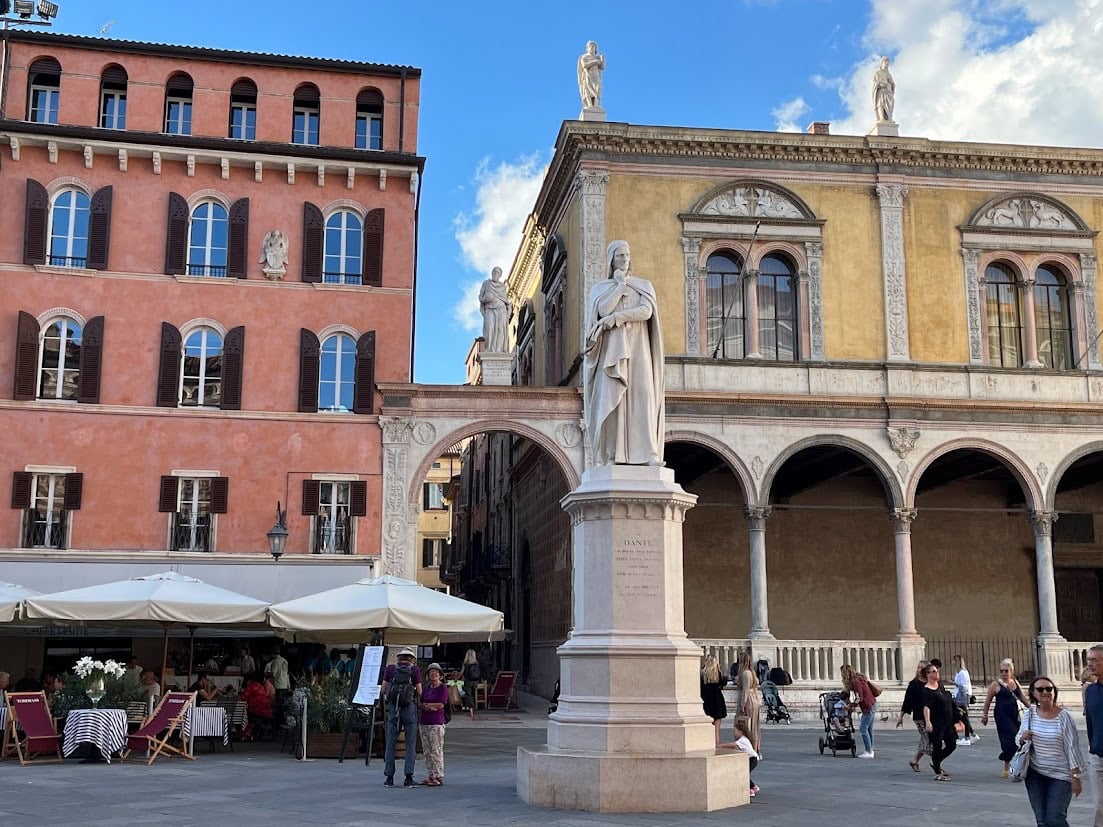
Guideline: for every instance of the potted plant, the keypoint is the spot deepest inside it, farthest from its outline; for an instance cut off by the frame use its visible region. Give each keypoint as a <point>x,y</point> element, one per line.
<point>328,712</point>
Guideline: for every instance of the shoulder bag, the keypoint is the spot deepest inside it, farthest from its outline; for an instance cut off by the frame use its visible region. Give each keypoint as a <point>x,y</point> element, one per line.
<point>1020,763</point>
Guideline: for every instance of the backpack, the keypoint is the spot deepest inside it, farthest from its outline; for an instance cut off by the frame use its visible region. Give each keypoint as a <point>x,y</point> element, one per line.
<point>400,692</point>
<point>779,677</point>
<point>472,672</point>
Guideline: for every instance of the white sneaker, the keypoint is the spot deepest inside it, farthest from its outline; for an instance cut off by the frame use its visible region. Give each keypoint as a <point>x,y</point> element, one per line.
<point>964,742</point>
<point>866,755</point>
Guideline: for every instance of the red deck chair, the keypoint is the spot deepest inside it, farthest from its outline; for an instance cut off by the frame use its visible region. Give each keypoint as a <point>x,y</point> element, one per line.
<point>502,691</point>
<point>31,713</point>
<point>167,720</point>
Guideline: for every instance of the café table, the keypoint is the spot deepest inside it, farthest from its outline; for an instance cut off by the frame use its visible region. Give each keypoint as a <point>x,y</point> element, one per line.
<point>206,722</point>
<point>105,729</point>
<point>237,711</point>
<point>218,681</point>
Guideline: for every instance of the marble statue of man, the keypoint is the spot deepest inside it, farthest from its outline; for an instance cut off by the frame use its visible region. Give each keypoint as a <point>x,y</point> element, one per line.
<point>623,367</point>
<point>884,92</point>
<point>590,67</point>
<point>495,306</point>
<point>274,252</point>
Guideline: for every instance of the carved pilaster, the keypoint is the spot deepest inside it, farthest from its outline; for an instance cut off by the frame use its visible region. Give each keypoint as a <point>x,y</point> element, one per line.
<point>1091,312</point>
<point>692,249</point>
<point>814,251</point>
<point>902,519</point>
<point>397,539</point>
<point>969,257</point>
<point>891,197</point>
<point>592,185</point>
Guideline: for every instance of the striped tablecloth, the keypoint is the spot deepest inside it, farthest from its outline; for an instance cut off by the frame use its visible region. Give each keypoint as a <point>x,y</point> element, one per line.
<point>236,711</point>
<point>207,722</point>
<point>106,728</point>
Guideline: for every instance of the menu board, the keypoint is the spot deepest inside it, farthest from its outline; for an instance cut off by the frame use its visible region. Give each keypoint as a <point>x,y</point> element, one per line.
<point>367,684</point>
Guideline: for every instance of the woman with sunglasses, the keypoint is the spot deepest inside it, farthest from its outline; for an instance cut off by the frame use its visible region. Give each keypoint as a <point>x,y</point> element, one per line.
<point>939,717</point>
<point>1056,762</point>
<point>1007,694</point>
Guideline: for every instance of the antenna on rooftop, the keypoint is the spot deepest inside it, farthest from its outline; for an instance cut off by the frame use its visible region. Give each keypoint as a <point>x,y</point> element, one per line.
<point>106,27</point>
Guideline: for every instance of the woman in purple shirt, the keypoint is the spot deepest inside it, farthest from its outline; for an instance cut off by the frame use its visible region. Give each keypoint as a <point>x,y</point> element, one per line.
<point>434,697</point>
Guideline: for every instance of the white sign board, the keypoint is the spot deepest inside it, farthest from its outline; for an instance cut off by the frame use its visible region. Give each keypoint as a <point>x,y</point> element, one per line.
<point>367,689</point>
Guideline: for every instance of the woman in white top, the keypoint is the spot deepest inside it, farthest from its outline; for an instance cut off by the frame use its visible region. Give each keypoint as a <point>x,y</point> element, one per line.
<point>1056,762</point>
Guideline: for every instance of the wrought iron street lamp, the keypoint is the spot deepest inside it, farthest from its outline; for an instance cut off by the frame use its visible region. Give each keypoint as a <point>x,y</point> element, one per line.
<point>277,535</point>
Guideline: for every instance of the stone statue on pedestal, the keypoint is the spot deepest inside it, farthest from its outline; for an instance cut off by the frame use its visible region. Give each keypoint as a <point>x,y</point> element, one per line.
<point>274,254</point>
<point>590,67</point>
<point>623,367</point>
<point>496,309</point>
<point>884,92</point>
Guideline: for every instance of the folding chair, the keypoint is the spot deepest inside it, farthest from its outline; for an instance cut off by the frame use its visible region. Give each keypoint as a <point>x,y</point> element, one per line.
<point>166,721</point>
<point>30,712</point>
<point>502,691</point>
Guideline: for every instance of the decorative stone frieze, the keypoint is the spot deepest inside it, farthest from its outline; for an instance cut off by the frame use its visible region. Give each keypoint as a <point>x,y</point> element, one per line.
<point>891,197</point>
<point>902,439</point>
<point>753,202</point>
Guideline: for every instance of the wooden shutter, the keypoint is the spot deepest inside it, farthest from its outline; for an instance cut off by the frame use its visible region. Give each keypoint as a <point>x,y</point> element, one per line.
<point>91,358</point>
<point>176,235</point>
<point>233,360</point>
<point>237,257</point>
<point>74,491</point>
<point>21,489</point>
<point>312,492</point>
<point>313,230</point>
<point>310,352</point>
<point>168,377</point>
<point>99,229</point>
<point>220,495</point>
<point>170,486</point>
<point>373,248</point>
<point>35,223</point>
<point>425,496</point>
<point>358,498</point>
<point>363,397</point>
<point>26,358</point>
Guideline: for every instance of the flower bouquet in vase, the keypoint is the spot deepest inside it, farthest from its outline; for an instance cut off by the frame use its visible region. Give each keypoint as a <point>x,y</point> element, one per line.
<point>94,675</point>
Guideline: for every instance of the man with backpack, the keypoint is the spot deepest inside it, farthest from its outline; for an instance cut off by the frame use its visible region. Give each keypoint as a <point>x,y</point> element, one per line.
<point>401,692</point>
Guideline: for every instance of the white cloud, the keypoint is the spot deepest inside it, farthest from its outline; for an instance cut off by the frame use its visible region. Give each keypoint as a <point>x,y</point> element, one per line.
<point>490,233</point>
<point>1015,71</point>
<point>786,115</point>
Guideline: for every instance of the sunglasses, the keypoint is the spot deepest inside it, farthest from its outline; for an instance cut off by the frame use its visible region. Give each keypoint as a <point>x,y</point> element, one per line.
<point>1043,688</point>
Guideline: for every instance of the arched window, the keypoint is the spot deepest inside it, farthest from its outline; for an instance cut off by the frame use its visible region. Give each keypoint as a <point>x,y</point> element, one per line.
<point>201,370</point>
<point>69,229</point>
<point>305,118</point>
<point>44,91</point>
<point>59,360</point>
<point>178,96</point>
<point>777,309</point>
<point>369,119</point>
<point>113,97</point>
<point>344,245</point>
<point>724,300</point>
<point>1004,324</point>
<point>243,110</point>
<point>1052,318</point>
<point>337,378</point>
<point>208,239</point>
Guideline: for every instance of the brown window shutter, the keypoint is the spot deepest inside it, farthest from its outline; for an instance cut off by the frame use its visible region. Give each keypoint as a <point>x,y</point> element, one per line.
<point>99,229</point>
<point>21,489</point>
<point>169,488</point>
<point>176,235</point>
<point>74,491</point>
<point>237,257</point>
<point>35,223</point>
<point>26,358</point>
<point>373,248</point>
<point>233,360</point>
<point>168,377</point>
<point>309,364</point>
<point>313,230</point>
<point>425,496</point>
<point>312,492</point>
<point>220,495</point>
<point>91,359</point>
<point>358,498</point>
<point>363,397</point>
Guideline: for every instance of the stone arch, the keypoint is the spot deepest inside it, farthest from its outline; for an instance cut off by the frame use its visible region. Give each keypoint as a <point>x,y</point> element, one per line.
<point>889,482</point>
<point>735,204</point>
<point>55,313</point>
<point>1071,459</point>
<point>1010,460</point>
<point>734,463</point>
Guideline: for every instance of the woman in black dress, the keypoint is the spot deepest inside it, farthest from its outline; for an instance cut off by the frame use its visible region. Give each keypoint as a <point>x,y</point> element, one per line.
<point>913,705</point>
<point>1007,695</point>
<point>938,715</point>
<point>713,682</point>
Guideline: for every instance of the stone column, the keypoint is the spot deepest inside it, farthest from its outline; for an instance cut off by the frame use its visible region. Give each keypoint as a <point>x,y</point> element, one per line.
<point>905,590</point>
<point>691,247</point>
<point>1043,555</point>
<point>893,270</point>
<point>760,614</point>
<point>1029,328</point>
<point>592,184</point>
<point>750,304</point>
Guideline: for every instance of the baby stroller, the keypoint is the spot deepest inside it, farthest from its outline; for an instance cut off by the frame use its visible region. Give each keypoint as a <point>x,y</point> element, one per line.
<point>838,725</point>
<point>776,711</point>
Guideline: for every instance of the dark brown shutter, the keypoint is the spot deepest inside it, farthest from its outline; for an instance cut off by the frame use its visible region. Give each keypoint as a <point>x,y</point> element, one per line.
<point>176,235</point>
<point>114,76</point>
<point>311,494</point>
<point>35,222</point>
<point>358,498</point>
<point>99,229</point>
<point>220,495</point>
<point>425,496</point>
<point>373,248</point>
<point>237,257</point>
<point>233,360</point>
<point>26,357</point>
<point>21,489</point>
<point>363,397</point>
<point>309,363</point>
<point>169,488</point>
<point>91,359</point>
<point>168,377</point>
<point>74,491</point>
<point>313,230</point>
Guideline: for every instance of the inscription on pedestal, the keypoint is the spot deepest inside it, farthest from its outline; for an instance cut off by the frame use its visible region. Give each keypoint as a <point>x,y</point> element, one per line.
<point>638,564</point>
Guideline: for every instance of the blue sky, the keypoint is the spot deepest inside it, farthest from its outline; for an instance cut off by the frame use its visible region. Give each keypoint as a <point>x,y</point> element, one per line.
<point>499,78</point>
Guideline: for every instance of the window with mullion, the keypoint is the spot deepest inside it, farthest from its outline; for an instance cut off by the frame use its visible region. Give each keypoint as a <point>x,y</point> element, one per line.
<point>369,130</point>
<point>192,523</point>
<point>69,229</point>
<point>724,306</point>
<point>777,314</point>
<point>337,376</point>
<point>201,372</point>
<point>1052,320</point>
<point>113,110</point>
<point>333,525</point>
<point>178,116</point>
<point>208,240</point>
<point>45,520</point>
<point>344,246</point>
<point>243,121</point>
<point>1005,333</point>
<point>59,358</point>
<point>304,128</point>
<point>44,103</point>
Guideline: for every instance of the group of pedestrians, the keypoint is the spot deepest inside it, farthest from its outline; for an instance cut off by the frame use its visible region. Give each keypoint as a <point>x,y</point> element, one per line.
<point>746,730</point>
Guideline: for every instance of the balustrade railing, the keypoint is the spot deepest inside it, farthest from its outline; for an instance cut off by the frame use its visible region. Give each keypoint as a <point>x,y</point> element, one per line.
<point>815,661</point>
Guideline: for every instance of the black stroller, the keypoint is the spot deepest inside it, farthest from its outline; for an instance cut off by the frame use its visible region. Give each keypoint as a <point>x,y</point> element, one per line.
<point>838,724</point>
<point>776,711</point>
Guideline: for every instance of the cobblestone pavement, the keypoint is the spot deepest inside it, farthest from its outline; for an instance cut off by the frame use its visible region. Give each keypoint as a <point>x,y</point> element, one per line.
<point>256,785</point>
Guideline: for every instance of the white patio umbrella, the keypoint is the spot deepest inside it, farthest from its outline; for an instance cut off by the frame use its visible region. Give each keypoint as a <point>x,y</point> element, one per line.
<point>404,611</point>
<point>11,596</point>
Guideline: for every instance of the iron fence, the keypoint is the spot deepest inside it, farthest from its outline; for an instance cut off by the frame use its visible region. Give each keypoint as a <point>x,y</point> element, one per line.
<point>983,655</point>
<point>44,529</point>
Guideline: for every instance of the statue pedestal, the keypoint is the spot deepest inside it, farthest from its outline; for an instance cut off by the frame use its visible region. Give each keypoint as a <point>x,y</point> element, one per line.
<point>497,368</point>
<point>630,734</point>
<point>886,129</point>
<point>592,113</point>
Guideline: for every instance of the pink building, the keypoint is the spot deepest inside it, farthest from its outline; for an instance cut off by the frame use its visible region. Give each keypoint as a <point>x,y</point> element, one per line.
<point>207,260</point>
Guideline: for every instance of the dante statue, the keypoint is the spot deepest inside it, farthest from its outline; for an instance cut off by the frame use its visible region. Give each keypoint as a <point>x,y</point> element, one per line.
<point>884,92</point>
<point>590,67</point>
<point>274,252</point>
<point>494,303</point>
<point>623,367</point>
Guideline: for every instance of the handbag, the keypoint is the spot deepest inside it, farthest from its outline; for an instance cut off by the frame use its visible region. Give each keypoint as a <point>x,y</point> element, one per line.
<point>1020,763</point>
<point>874,689</point>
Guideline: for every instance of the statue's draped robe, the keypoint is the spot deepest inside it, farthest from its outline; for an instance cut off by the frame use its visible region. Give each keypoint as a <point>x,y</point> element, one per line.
<point>494,302</point>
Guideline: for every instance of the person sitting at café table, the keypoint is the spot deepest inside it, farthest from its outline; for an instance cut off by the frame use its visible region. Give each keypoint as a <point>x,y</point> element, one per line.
<point>29,682</point>
<point>204,689</point>
<point>149,685</point>
<point>260,698</point>
<point>5,679</point>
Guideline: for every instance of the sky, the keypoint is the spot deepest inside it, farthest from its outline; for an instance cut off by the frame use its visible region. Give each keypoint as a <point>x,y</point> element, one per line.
<point>499,78</point>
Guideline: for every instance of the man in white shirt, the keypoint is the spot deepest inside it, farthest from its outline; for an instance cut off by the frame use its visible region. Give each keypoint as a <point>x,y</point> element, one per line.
<point>963,696</point>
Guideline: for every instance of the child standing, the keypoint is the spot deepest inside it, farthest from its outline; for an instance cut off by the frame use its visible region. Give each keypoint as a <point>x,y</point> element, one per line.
<point>743,744</point>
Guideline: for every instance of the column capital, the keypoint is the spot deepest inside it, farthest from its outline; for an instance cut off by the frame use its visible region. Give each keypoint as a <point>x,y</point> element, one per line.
<point>902,519</point>
<point>750,274</point>
<point>757,516</point>
<point>892,195</point>
<point>691,244</point>
<point>1028,282</point>
<point>1043,522</point>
